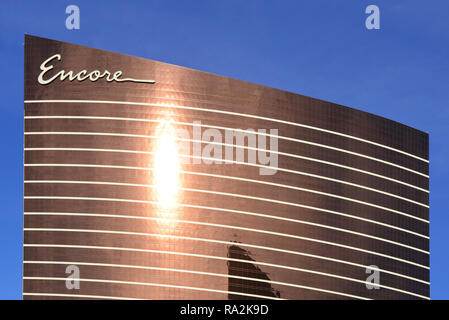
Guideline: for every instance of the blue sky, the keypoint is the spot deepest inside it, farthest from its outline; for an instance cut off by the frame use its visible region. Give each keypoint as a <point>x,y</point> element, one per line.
<point>318,48</point>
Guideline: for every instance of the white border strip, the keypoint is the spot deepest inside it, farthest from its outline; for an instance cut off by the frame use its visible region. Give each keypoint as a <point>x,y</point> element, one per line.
<point>238,130</point>
<point>145,234</point>
<point>234,114</point>
<point>214,274</point>
<point>195,255</point>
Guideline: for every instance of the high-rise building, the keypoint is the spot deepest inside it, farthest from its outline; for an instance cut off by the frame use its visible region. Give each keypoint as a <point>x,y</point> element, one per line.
<point>147,180</point>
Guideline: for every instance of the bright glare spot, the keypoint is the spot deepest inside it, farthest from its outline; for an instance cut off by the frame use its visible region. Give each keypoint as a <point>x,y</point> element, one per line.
<point>166,165</point>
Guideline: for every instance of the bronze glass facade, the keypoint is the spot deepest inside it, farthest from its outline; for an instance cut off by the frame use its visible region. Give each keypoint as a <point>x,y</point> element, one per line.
<point>106,192</point>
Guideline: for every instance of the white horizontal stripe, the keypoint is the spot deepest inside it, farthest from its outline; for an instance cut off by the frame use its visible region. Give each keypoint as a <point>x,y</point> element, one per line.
<point>216,225</point>
<point>234,114</point>
<point>266,182</point>
<point>40,245</point>
<point>156,285</point>
<point>238,130</point>
<point>213,274</point>
<point>280,169</point>
<point>224,194</point>
<point>224,210</point>
<point>200,273</point>
<point>151,169</point>
<point>195,173</point>
<point>43,294</point>
<point>227,145</point>
<point>145,234</point>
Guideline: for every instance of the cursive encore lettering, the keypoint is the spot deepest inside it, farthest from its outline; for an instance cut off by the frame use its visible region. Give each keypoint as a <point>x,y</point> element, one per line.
<point>82,75</point>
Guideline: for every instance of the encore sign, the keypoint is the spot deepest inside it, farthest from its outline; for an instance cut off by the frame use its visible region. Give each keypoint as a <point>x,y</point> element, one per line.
<point>82,75</point>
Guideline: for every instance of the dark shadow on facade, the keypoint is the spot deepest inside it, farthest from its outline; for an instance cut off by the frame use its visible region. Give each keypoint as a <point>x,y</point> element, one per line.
<point>247,270</point>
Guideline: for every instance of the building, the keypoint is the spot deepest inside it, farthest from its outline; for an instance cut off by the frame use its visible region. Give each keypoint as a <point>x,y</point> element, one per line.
<point>137,186</point>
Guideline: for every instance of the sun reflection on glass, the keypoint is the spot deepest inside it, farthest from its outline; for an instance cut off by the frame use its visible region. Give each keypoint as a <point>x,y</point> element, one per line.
<point>166,167</point>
